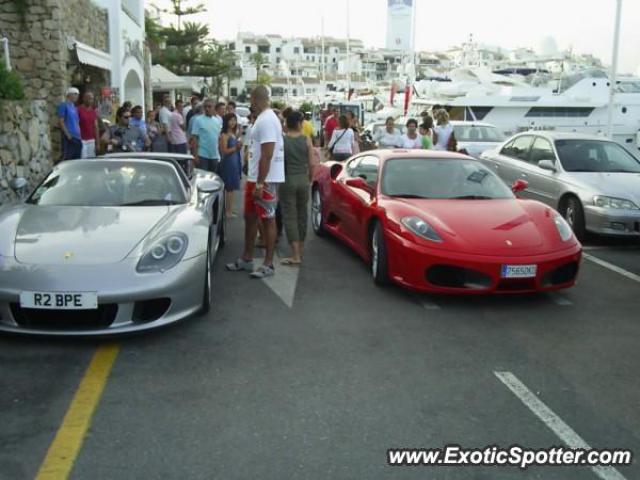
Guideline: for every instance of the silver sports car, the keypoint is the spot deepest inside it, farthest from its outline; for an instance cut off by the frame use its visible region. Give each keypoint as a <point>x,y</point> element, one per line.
<point>111,245</point>
<point>593,182</point>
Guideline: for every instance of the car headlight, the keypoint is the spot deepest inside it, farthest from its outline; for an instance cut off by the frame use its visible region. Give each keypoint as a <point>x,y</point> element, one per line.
<point>421,228</point>
<point>612,202</point>
<point>165,254</point>
<point>564,229</point>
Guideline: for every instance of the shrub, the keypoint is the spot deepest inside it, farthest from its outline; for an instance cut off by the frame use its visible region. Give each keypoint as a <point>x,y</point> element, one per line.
<point>10,85</point>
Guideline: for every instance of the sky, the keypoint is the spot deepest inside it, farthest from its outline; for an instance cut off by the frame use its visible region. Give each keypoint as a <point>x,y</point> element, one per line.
<point>584,25</point>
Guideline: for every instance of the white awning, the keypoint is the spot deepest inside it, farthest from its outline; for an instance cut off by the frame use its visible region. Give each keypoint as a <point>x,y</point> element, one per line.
<point>92,56</point>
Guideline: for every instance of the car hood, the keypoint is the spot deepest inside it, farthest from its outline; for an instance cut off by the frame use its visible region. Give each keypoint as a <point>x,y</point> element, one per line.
<point>507,227</point>
<point>57,235</point>
<point>620,185</point>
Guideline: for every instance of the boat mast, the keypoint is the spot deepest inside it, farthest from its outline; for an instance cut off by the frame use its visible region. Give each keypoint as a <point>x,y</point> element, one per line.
<point>348,53</point>
<point>614,68</point>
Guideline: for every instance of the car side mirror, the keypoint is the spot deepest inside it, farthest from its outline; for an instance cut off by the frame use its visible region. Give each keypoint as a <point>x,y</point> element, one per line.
<point>519,186</point>
<point>361,184</point>
<point>547,165</point>
<point>18,184</point>
<point>209,185</point>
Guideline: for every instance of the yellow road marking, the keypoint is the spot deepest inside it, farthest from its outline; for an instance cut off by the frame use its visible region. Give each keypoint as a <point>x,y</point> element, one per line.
<point>66,445</point>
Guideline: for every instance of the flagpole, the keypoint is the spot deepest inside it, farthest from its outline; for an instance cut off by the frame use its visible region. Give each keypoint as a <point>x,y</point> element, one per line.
<point>614,68</point>
<point>348,52</point>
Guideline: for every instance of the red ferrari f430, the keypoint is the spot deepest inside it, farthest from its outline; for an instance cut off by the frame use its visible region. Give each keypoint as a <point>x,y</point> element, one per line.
<point>443,222</point>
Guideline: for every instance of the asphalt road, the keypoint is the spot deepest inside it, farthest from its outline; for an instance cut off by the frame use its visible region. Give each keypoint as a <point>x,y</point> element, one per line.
<point>322,388</point>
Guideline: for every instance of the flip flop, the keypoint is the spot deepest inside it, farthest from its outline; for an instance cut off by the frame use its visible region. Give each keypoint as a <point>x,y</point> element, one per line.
<point>290,262</point>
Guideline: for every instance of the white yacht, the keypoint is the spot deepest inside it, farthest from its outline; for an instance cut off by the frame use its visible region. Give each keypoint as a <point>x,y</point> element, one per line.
<point>573,103</point>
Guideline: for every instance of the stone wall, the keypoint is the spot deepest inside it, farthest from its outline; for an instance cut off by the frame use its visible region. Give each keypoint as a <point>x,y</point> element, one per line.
<point>39,49</point>
<point>25,150</point>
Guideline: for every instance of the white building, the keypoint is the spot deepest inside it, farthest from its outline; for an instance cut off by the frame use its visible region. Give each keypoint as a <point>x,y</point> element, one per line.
<point>126,45</point>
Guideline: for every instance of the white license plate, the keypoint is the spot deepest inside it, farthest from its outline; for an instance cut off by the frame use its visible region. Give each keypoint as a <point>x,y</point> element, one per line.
<point>59,300</point>
<point>519,271</point>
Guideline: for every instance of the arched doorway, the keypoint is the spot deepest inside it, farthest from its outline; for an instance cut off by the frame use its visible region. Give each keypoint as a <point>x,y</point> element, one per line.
<point>133,89</point>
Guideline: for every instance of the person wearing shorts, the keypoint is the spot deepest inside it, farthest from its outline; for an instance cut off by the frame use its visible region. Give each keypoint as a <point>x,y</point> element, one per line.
<point>265,172</point>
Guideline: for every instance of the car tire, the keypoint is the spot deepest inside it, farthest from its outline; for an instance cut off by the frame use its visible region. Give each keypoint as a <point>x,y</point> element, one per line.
<point>573,213</point>
<point>208,282</point>
<point>379,259</point>
<point>317,220</point>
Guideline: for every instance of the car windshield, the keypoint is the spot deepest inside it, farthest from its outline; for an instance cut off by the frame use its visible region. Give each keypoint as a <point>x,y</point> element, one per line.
<point>441,179</point>
<point>243,111</point>
<point>110,184</point>
<point>595,156</point>
<point>477,133</point>
<point>378,128</point>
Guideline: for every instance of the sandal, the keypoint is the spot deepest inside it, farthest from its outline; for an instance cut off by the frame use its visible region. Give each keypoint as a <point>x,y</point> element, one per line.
<point>291,262</point>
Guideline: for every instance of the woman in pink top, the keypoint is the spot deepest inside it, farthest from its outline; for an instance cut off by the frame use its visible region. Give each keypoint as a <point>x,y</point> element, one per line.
<point>176,136</point>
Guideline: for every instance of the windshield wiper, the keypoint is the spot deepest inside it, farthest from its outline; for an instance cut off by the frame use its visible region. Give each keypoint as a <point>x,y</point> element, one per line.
<point>150,202</point>
<point>408,195</point>
<point>472,197</point>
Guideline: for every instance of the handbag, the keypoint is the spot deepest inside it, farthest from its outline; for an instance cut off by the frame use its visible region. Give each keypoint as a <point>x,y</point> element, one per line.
<point>337,140</point>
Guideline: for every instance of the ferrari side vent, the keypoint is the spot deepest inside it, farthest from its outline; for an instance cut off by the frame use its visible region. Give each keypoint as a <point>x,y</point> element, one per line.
<point>449,276</point>
<point>564,274</point>
<point>150,310</point>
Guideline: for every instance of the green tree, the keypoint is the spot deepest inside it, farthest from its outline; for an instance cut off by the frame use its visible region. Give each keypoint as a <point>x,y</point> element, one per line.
<point>263,78</point>
<point>258,59</point>
<point>180,11</point>
<point>219,63</point>
<point>154,34</point>
<point>306,107</point>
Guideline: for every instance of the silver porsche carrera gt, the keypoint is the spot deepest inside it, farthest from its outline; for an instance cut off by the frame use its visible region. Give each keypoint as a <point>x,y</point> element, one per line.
<point>111,245</point>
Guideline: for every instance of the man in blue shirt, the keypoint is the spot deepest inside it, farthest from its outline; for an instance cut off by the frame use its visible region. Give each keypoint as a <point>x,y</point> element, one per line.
<point>205,134</point>
<point>136,120</point>
<point>69,123</point>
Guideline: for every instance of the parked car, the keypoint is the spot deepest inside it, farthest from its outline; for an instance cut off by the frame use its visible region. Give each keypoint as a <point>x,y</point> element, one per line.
<point>111,245</point>
<point>593,182</point>
<point>443,222</point>
<point>474,138</point>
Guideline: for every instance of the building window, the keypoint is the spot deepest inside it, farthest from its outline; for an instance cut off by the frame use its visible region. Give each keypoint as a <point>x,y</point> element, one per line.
<point>234,91</point>
<point>277,49</point>
<point>247,49</point>
<point>296,50</point>
<point>264,49</point>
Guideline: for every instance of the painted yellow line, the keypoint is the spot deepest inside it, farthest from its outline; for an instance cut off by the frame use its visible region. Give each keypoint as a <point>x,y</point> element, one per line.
<point>66,445</point>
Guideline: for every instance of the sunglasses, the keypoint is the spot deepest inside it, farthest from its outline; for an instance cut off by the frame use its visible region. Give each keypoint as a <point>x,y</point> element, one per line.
<point>126,116</point>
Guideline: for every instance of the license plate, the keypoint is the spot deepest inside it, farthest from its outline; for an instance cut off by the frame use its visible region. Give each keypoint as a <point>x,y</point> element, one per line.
<point>519,271</point>
<point>59,300</point>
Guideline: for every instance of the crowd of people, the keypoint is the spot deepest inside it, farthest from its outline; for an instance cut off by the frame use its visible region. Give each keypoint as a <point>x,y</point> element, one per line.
<point>344,137</point>
<point>277,152</point>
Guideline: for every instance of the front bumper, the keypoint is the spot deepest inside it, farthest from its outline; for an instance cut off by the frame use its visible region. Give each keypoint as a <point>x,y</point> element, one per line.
<point>412,266</point>
<point>122,293</point>
<point>625,223</point>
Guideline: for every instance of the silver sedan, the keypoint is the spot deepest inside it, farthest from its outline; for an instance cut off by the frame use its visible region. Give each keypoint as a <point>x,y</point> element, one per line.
<point>593,182</point>
<point>111,245</point>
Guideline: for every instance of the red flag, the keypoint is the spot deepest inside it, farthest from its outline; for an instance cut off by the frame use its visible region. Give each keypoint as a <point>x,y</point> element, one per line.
<point>407,98</point>
<point>393,93</point>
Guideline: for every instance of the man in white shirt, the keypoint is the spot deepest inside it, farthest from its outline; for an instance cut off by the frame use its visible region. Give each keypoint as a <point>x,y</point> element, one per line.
<point>165,114</point>
<point>266,171</point>
<point>388,137</point>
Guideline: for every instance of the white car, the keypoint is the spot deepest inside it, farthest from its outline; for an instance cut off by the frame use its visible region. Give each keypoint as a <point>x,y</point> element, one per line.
<point>476,137</point>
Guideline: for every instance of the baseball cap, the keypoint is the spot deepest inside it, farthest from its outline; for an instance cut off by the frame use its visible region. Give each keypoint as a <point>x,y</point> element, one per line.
<point>73,91</point>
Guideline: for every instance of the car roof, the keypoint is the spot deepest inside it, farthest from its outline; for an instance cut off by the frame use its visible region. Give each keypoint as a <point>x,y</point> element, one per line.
<point>389,154</point>
<point>553,135</point>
